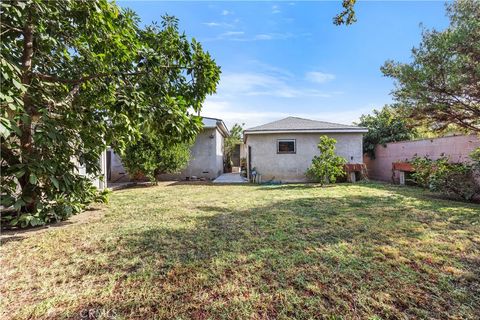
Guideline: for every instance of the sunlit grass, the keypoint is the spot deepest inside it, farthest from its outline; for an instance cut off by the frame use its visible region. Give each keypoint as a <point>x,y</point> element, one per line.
<point>262,252</point>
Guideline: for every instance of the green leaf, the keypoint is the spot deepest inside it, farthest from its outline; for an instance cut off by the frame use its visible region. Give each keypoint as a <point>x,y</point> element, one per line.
<point>20,173</point>
<point>55,182</point>
<point>19,204</point>
<point>33,179</point>
<point>17,84</point>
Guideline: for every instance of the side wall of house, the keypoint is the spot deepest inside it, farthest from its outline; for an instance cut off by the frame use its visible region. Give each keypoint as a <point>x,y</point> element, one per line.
<point>206,159</point>
<point>457,148</point>
<point>219,148</point>
<point>118,173</point>
<point>292,167</point>
<point>100,181</point>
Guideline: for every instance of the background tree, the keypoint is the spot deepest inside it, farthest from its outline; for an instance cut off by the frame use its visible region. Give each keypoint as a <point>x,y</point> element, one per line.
<point>384,126</point>
<point>441,85</point>
<point>327,166</point>
<point>77,76</point>
<point>235,138</point>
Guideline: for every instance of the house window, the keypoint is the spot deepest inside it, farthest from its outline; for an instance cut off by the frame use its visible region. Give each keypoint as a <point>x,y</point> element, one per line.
<point>286,146</point>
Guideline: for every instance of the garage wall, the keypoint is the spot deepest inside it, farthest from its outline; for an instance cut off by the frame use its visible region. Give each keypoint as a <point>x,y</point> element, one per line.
<point>292,167</point>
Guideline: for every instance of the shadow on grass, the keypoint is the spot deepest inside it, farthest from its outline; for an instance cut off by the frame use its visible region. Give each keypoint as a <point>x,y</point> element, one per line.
<point>296,259</point>
<point>88,215</point>
<point>190,183</point>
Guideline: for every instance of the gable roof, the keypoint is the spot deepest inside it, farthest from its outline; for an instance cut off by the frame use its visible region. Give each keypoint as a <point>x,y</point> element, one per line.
<point>210,123</point>
<point>299,125</point>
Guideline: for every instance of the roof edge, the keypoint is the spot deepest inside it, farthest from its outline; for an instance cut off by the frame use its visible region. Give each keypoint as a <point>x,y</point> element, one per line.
<point>223,128</point>
<point>338,130</point>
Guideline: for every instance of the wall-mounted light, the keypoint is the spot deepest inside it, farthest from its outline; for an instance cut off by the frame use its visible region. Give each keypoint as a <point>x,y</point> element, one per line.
<point>211,136</point>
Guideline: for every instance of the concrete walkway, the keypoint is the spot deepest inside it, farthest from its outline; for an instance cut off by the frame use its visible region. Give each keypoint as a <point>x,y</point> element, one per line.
<point>230,178</point>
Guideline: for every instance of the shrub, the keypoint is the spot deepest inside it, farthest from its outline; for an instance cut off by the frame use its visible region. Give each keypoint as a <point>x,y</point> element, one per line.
<point>327,166</point>
<point>61,206</point>
<point>423,171</point>
<point>457,180</point>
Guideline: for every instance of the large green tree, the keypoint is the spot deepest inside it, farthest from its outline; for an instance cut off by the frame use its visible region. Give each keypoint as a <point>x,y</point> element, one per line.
<point>441,86</point>
<point>385,125</point>
<point>77,76</point>
<point>151,156</point>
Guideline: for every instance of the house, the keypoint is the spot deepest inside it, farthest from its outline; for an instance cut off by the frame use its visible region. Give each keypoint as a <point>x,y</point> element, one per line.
<point>283,150</point>
<point>206,159</point>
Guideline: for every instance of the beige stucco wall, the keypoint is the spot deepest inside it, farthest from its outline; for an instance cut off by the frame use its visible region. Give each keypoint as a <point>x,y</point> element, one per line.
<point>292,167</point>
<point>206,160</point>
<point>100,181</point>
<point>118,173</point>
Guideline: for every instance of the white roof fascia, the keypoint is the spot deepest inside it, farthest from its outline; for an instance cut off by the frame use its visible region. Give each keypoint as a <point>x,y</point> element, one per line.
<point>308,131</point>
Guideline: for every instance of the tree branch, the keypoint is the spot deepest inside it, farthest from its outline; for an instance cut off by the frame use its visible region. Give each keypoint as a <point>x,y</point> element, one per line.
<point>53,78</point>
<point>70,96</point>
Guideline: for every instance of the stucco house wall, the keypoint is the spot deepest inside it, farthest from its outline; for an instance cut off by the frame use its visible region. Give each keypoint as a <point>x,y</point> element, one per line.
<point>118,173</point>
<point>99,182</point>
<point>206,157</point>
<point>292,167</point>
<point>219,147</point>
<point>457,148</point>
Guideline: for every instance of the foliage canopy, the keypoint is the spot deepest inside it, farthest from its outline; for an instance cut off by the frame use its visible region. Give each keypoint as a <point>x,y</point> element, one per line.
<point>80,75</point>
<point>150,157</point>
<point>384,126</point>
<point>441,85</point>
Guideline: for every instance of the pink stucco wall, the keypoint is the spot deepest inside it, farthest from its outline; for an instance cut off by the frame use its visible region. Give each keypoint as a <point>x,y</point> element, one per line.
<point>457,148</point>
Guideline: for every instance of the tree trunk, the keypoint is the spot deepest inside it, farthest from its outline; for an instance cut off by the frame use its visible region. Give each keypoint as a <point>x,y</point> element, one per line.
<point>25,125</point>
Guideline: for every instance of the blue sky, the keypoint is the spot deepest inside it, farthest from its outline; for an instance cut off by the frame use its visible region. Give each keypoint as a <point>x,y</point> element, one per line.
<point>287,58</point>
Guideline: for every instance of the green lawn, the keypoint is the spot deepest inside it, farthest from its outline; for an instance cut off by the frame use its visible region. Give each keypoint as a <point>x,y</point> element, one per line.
<point>253,252</point>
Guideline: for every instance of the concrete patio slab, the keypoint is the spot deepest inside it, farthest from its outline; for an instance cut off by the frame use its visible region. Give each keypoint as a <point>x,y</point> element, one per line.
<point>230,178</point>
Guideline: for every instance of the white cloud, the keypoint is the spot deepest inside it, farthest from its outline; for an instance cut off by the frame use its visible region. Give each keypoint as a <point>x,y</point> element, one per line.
<point>231,35</point>
<point>215,24</point>
<point>226,12</point>
<point>263,84</point>
<point>233,112</point>
<point>275,9</point>
<point>268,68</point>
<point>319,77</point>
<point>264,93</point>
<point>212,24</point>
<point>242,36</point>
<point>272,36</point>
<point>263,37</point>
